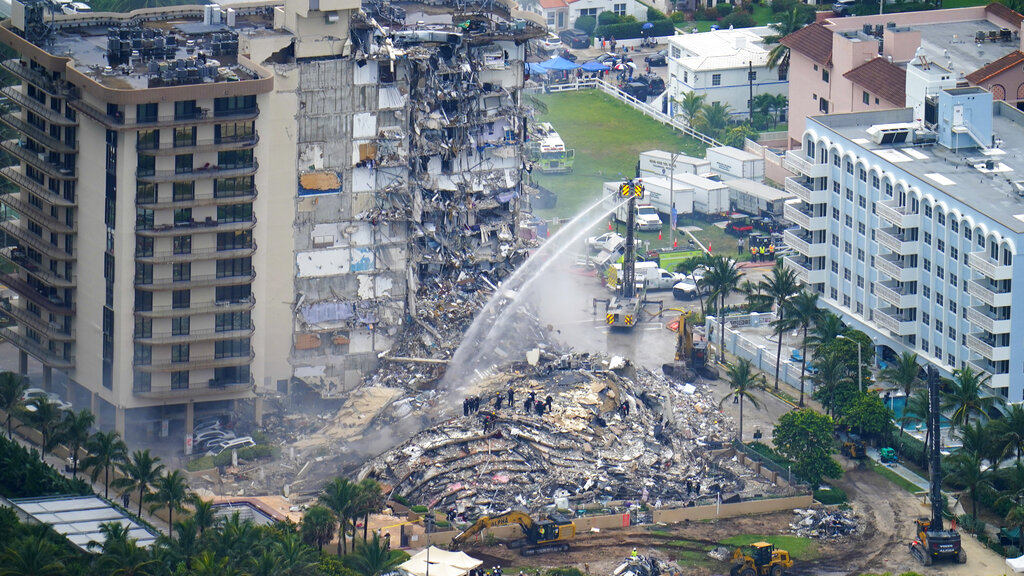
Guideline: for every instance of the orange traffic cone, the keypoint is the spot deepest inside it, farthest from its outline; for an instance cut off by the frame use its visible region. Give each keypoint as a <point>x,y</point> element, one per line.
<point>609,225</point>
<point>675,244</point>
<point>659,234</point>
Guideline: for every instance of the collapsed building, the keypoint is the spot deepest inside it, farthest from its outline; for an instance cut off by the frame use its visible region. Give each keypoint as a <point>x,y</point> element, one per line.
<point>218,203</point>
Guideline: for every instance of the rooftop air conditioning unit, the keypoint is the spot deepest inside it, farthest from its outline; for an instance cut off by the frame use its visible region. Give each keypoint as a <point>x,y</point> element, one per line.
<point>1018,187</point>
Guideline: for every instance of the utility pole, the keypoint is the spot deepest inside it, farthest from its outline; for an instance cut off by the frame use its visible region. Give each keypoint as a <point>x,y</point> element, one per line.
<point>750,82</point>
<point>672,200</point>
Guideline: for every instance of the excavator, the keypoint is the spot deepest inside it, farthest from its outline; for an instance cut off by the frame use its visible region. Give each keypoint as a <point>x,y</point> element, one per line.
<point>539,537</point>
<point>932,542</point>
<point>691,359</point>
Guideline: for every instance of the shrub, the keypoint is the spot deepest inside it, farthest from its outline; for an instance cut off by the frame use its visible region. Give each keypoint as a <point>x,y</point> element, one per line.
<point>633,30</point>
<point>400,499</point>
<point>24,475</point>
<point>654,14</point>
<point>779,6</point>
<point>1012,552</point>
<point>830,496</point>
<point>419,509</point>
<point>724,10</point>
<point>587,24</point>
<point>738,19</point>
<point>678,17</point>
<point>608,18</point>
<point>251,453</point>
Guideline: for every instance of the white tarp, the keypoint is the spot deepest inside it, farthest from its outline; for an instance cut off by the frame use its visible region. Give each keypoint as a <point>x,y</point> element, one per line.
<point>442,563</point>
<point>1016,564</point>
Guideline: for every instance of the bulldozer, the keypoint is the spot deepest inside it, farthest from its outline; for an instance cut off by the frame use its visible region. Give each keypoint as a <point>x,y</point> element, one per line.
<point>854,450</point>
<point>763,560</point>
<point>539,537</point>
<point>691,358</point>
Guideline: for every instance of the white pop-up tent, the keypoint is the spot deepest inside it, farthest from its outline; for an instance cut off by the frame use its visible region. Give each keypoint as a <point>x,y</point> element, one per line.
<point>434,561</point>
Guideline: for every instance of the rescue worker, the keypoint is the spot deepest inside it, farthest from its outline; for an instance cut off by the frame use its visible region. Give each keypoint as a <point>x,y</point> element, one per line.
<point>753,253</point>
<point>548,401</point>
<point>465,407</point>
<point>497,401</point>
<point>761,250</point>
<point>634,553</point>
<point>511,398</point>
<point>527,404</point>
<point>771,252</point>
<point>539,407</point>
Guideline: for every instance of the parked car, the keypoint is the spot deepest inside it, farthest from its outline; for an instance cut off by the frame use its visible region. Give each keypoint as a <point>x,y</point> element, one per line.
<point>610,59</point>
<point>234,444</point>
<point>209,435</point>
<point>31,394</point>
<point>687,289</point>
<point>843,7</point>
<point>659,58</point>
<point>655,84</point>
<point>575,38</point>
<point>638,90</point>
<point>568,55</point>
<point>551,43</point>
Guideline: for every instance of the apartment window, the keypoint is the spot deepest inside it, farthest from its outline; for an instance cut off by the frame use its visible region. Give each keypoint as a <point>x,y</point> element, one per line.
<point>952,306</point>
<point>926,319</point>
<point>235,158</point>
<point>234,105</point>
<point>180,326</point>
<point>179,380</point>
<point>860,308</point>
<point>835,268</point>
<point>143,273</point>
<point>835,185</point>
<point>846,273</point>
<point>146,166</point>
<point>953,280</point>
<point>967,232</point>
<point>846,300</point>
<point>235,132</point>
<point>182,216</point>
<point>147,112</point>
<point>951,360</point>
<point>940,245</point>
<point>234,213</point>
<point>185,136</point>
<point>941,218</point>
<point>179,353</point>
<point>232,348</point>
<point>862,202</point>
<point>234,240</point>
<point>148,140</point>
<point>184,191</point>
<point>927,211</point>
<point>927,239</point>
<point>924,345</point>
<point>835,241</point>
<point>835,213</point>
<point>888,190</point>
<point>145,193</point>
<point>860,254</point>
<point>836,161</point>
<point>181,299</point>
<point>866,98</point>
<point>832,293</point>
<point>181,271</point>
<point>686,77</point>
<point>940,272</point>
<point>823,105</point>
<point>143,355</point>
<point>142,382</point>
<point>182,244</point>
<point>861,229</point>
<point>716,79</point>
<point>939,300</point>
<point>875,182</point>
<point>938,351</point>
<point>183,164</point>
<point>849,191</point>
<point>860,281</point>
<point>938,326</point>
<point>143,301</point>
<point>143,327</point>
<point>926,292</point>
<point>619,9</point>
<point>233,321</point>
<point>849,221</point>
<point>862,174</point>
<point>927,265</point>
<point>951,333</point>
<point>234,267</point>
<point>186,110</point>
<point>824,75</point>
<point>954,226</point>
<point>143,247</point>
<point>954,254</point>
<point>847,247</point>
<point>236,293</point>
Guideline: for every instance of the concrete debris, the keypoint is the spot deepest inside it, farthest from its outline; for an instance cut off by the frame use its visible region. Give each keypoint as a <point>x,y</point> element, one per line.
<point>577,433</point>
<point>823,524</point>
<point>641,565</point>
<point>721,553</point>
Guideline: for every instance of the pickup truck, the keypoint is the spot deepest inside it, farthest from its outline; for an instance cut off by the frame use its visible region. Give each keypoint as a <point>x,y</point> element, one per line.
<point>651,276</point>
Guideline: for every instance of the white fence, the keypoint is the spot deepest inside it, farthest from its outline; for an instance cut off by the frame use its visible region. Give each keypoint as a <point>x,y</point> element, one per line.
<point>761,357</point>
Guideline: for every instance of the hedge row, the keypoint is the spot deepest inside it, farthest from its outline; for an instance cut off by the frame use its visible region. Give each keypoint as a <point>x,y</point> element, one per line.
<point>630,30</point>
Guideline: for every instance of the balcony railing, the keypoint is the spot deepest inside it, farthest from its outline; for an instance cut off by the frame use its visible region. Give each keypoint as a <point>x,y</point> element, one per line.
<point>199,173</point>
<point>43,218</point>
<point>207,335</point>
<point>13,255</point>
<point>37,108</point>
<point>204,199</point>
<point>22,70</point>
<point>983,290</point>
<point>196,281</point>
<point>887,292</point>
<point>895,269</point>
<point>890,319</point>
<point>998,380</point>
<point>37,351</point>
<point>16,177</point>
<point>50,302</point>
<point>200,146</point>
<point>982,263</point>
<point>171,257</point>
<point>803,273</point>
<point>26,238</point>
<point>986,346</point>
<point>38,160</point>
<point>980,318</point>
<point>202,389</point>
<point>196,226</point>
<point>33,132</point>
<point>898,243</point>
<point>51,330</point>
<point>804,192</point>
<point>206,361</point>
<point>797,161</point>
<point>170,311</point>
<point>899,216</point>
<point>793,212</point>
<point>803,245</point>
<point>199,116</point>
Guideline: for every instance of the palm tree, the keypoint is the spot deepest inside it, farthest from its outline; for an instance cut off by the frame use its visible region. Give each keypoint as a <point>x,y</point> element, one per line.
<point>48,418</point>
<point>185,547</point>
<point>981,440</point>
<point>781,285</point>
<point>713,118</point>
<point>339,495</point>
<point>12,386</point>
<point>917,410</point>
<point>1015,494</point>
<point>742,382</point>
<point>968,472</point>
<point>764,104</point>
<point>722,278</point>
<point>318,526</point>
<point>904,373</point>
<point>826,329</point>
<point>236,536</point>
<point>756,299</point>
<point>209,564</point>
<point>293,557</point>
<point>75,434</point>
<point>966,397</point>
<point>31,556</point>
<point>803,312</point>
<point>832,372</point>
<point>1010,430</point>
<point>781,103</point>
<point>105,450</point>
<point>370,500</point>
<point>140,472</point>
<point>171,492</point>
<point>778,57</point>
<point>374,558</point>
<point>691,104</point>
<point>202,513</point>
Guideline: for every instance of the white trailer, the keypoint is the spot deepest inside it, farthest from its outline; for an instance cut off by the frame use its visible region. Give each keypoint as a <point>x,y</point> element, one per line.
<point>658,192</point>
<point>709,196</point>
<point>732,162</point>
<point>659,163</point>
<point>757,199</point>
<point>646,218</point>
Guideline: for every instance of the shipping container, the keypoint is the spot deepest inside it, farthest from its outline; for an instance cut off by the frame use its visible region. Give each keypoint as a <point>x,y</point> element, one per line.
<point>732,162</point>
<point>659,163</point>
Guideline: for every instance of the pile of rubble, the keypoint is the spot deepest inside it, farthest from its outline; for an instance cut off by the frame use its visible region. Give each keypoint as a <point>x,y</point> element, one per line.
<point>823,524</point>
<point>612,433</point>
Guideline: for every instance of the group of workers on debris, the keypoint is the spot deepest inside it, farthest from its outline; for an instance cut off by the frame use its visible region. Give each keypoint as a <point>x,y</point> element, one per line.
<point>531,404</point>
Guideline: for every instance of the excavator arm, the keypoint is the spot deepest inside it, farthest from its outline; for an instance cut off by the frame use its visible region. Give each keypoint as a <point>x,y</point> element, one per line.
<point>513,517</point>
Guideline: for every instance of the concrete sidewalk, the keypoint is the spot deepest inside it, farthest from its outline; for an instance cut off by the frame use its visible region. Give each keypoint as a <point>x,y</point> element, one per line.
<point>904,472</point>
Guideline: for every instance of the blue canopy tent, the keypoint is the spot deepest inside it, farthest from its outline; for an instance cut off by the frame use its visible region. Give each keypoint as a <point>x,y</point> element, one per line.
<point>647,26</point>
<point>594,66</point>
<point>535,68</point>
<point>559,64</point>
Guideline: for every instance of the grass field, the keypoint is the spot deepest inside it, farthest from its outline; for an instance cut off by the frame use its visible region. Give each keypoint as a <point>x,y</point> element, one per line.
<point>895,478</point>
<point>799,548</point>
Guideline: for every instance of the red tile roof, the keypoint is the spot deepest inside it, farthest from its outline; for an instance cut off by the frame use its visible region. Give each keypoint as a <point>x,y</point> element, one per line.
<point>552,4</point>
<point>881,78</point>
<point>994,68</point>
<point>1001,11</point>
<point>813,41</point>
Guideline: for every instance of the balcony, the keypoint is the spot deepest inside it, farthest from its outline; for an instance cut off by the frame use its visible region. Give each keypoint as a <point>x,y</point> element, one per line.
<point>38,160</point>
<point>200,146</point>
<point>890,319</point>
<point>22,70</point>
<point>33,132</point>
<point>43,218</point>
<point>803,273</point>
<point>208,361</point>
<point>26,238</point>
<point>17,257</point>
<point>802,244</point>
<point>797,162</point>
<point>998,380</point>
<point>896,242</point>
<point>200,173</point>
<point>37,108</point>
<point>793,212</point>
<point>983,344</point>
<point>984,291</point>
<point>169,311</point>
<point>980,262</point>
<point>171,257</point>
<point>802,191</point>
<point>895,268</point>
<point>200,116</point>
<point>51,330</point>
<point>899,216</point>
<point>205,199</point>
<point>980,318</point>
<point>194,227</point>
<point>50,302</point>
<point>206,389</point>
<point>37,351</point>
<point>16,177</point>
<point>196,281</point>
<point>208,335</point>
<point>888,292</point>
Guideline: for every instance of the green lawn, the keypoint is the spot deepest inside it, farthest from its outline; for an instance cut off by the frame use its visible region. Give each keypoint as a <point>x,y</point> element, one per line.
<point>608,137</point>
<point>804,549</point>
<point>895,478</point>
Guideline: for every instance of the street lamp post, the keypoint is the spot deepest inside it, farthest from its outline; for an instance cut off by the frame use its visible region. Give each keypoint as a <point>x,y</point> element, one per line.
<point>860,380</point>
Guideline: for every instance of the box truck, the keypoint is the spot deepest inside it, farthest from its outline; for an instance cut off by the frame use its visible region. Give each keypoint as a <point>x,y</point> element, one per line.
<point>731,162</point>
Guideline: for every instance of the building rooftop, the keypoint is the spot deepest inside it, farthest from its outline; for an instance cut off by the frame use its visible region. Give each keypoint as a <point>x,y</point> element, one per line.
<point>80,518</point>
<point>723,49</point>
<point>952,44</point>
<point>985,72</point>
<point>881,78</point>
<point>762,191</point>
<point>955,173</point>
<point>813,41</point>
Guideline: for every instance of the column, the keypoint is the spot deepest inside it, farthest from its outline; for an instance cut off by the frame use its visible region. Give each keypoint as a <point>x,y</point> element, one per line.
<point>48,378</point>
<point>259,411</point>
<point>22,362</point>
<point>119,420</point>
<point>190,424</point>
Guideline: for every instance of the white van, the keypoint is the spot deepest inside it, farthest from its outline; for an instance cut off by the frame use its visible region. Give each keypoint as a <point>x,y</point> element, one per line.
<point>243,442</point>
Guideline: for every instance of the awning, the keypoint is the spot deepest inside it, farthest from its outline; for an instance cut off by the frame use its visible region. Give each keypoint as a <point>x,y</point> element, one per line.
<point>442,563</point>
<point>594,66</point>
<point>559,63</point>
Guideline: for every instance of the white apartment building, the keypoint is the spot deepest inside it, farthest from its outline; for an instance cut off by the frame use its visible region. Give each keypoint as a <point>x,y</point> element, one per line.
<point>725,66</point>
<point>910,224</point>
